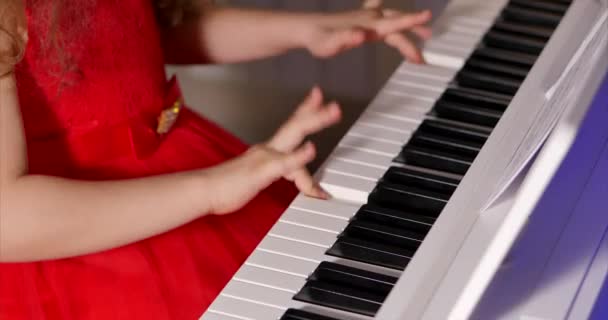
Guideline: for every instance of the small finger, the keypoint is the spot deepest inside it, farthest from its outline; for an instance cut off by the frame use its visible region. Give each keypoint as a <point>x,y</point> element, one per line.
<point>306,184</point>
<point>301,125</point>
<point>405,46</point>
<point>401,22</point>
<point>313,100</point>
<point>422,32</point>
<point>297,159</point>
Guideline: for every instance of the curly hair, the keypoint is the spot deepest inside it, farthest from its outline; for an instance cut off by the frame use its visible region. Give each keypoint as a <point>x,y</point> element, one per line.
<point>13,34</point>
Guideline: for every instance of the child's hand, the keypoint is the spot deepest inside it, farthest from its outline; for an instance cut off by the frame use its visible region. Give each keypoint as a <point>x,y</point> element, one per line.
<point>237,181</point>
<point>335,33</point>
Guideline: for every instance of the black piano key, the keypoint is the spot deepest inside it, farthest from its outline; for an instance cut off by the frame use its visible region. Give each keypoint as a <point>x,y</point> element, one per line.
<point>382,234</point>
<point>457,146</point>
<point>514,12</point>
<point>495,67</point>
<point>353,277</point>
<point>408,198</point>
<point>468,114</point>
<point>488,81</point>
<point>564,2</point>
<point>346,288</point>
<point>521,59</point>
<point>397,218</point>
<point>542,5</point>
<point>515,42</point>
<point>371,252</point>
<point>433,159</point>
<point>453,130</point>
<point>339,297</point>
<point>423,180</point>
<point>296,314</point>
<point>540,32</point>
<point>476,97</point>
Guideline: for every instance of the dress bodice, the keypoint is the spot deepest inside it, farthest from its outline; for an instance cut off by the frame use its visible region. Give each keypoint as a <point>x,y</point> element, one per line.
<point>93,64</point>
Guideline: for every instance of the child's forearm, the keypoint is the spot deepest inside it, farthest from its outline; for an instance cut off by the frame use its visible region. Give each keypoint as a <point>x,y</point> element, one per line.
<point>45,217</point>
<point>226,35</point>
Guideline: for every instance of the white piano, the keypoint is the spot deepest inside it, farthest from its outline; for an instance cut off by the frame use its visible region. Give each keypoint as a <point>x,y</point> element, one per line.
<point>417,227</point>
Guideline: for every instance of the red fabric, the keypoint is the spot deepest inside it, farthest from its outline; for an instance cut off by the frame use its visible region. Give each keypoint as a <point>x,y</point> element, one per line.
<point>116,77</point>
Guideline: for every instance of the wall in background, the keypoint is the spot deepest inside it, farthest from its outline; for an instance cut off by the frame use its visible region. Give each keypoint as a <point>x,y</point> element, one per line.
<point>253,99</point>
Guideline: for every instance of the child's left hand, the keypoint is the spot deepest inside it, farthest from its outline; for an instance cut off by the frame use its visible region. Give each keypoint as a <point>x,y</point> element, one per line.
<point>338,32</point>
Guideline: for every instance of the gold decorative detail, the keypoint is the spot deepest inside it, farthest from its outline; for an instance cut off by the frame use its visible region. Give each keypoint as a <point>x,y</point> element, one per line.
<point>168,117</point>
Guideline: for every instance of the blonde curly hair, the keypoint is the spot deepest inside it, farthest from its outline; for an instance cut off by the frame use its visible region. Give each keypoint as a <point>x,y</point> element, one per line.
<point>13,34</point>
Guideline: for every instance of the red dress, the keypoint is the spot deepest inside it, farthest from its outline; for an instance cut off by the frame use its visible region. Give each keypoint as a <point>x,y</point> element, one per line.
<point>95,119</point>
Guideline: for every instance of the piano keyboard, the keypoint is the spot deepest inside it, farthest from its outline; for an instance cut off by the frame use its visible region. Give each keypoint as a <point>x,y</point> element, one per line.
<point>394,171</point>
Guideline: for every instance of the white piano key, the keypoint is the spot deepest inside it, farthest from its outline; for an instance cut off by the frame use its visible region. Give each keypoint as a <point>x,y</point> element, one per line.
<point>214,315</point>
<point>353,169</point>
<point>346,187</point>
<point>244,309</point>
<point>308,235</point>
<point>444,57</point>
<point>258,294</point>
<point>332,208</point>
<point>406,126</point>
<point>396,90</point>
<point>413,104</point>
<point>376,133</point>
<point>425,70</point>
<point>363,143</point>
<point>465,26</point>
<point>477,25</point>
<point>488,12</point>
<point>281,263</point>
<point>417,81</point>
<point>293,249</point>
<point>309,219</point>
<point>265,277</point>
<point>470,8</point>
<point>400,113</point>
<point>456,38</point>
<point>406,89</point>
<point>470,27</point>
<point>455,49</point>
<point>362,157</point>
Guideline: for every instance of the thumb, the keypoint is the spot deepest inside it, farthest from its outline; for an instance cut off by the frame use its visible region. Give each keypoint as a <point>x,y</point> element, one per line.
<point>338,40</point>
<point>285,163</point>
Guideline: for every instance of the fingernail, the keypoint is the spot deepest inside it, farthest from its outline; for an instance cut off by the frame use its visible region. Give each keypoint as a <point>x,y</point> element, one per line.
<point>310,147</point>
<point>324,194</point>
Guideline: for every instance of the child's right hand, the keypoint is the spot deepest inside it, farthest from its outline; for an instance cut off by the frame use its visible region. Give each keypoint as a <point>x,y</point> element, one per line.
<point>236,182</point>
